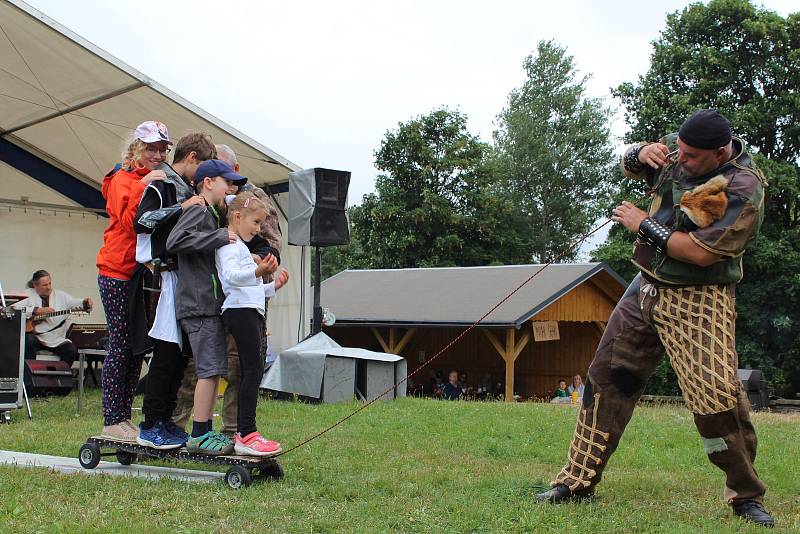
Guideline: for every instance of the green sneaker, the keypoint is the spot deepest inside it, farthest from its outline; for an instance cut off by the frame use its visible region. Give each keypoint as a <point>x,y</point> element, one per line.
<point>212,443</point>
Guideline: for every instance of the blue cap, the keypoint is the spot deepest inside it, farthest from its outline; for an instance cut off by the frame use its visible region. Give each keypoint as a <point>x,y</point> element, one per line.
<point>217,167</point>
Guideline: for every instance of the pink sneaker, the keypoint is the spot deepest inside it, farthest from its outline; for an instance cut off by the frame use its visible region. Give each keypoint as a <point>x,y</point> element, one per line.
<point>254,444</point>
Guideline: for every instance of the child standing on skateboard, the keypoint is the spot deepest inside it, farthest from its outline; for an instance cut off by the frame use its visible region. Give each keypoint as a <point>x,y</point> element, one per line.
<point>243,313</point>
<point>198,296</point>
<point>162,203</point>
<point>116,262</point>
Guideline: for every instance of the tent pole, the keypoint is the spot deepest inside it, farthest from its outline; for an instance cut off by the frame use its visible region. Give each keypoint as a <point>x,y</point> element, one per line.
<point>72,109</point>
<point>316,325</point>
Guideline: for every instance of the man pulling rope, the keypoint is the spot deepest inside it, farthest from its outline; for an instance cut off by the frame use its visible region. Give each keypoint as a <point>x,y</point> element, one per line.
<point>708,204</point>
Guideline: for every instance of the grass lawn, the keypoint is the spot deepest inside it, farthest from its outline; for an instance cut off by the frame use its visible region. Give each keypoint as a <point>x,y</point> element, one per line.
<point>407,466</point>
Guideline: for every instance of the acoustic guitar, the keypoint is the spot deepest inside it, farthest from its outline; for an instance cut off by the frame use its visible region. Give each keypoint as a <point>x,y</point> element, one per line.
<point>30,324</point>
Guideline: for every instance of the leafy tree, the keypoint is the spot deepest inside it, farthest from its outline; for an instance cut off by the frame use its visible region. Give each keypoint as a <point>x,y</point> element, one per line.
<point>338,258</point>
<point>435,202</point>
<point>553,152</point>
<point>617,249</point>
<point>745,61</point>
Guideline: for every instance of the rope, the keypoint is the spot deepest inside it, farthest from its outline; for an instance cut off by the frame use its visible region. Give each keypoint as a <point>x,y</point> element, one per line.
<point>457,338</point>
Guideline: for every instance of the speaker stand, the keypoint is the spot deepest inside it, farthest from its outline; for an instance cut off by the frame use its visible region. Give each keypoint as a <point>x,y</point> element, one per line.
<point>316,323</point>
<point>27,400</point>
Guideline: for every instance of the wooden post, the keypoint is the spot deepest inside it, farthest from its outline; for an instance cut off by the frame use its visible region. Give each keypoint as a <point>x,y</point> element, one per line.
<point>509,358</point>
<point>394,346</point>
<point>509,353</point>
<point>497,346</point>
<point>379,337</point>
<point>404,341</point>
<point>601,327</point>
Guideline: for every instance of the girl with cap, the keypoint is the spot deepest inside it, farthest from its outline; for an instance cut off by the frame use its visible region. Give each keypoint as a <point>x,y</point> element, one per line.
<point>243,313</point>
<point>116,262</point>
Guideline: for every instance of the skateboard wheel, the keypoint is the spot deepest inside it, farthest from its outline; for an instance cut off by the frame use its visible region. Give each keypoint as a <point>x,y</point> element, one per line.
<point>272,471</point>
<point>89,455</point>
<point>238,477</point>
<point>125,457</point>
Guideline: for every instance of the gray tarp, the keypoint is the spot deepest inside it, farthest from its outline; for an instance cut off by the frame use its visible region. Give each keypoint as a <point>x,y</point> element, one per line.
<point>302,199</point>
<point>300,369</point>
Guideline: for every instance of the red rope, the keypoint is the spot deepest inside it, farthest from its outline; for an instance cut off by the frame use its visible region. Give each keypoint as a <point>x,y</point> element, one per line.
<point>457,338</point>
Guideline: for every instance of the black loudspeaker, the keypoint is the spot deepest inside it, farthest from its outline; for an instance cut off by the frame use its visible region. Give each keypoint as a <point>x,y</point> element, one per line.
<point>12,336</point>
<point>43,378</point>
<point>317,207</point>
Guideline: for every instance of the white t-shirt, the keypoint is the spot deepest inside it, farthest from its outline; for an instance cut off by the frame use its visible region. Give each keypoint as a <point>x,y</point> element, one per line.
<point>237,274</point>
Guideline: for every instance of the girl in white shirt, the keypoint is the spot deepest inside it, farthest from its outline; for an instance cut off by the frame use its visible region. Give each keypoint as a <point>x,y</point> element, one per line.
<point>243,313</point>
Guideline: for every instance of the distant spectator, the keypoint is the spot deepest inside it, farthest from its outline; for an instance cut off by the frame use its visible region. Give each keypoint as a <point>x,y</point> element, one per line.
<point>465,389</point>
<point>412,388</point>
<point>485,386</point>
<point>577,385</point>
<point>562,390</point>
<point>437,384</point>
<point>452,389</point>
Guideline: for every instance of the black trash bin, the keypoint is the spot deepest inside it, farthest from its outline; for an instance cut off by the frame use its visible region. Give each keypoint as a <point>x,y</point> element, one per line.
<point>756,388</point>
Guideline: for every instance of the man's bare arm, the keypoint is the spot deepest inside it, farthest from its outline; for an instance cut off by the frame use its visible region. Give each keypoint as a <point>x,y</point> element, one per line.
<point>679,246</point>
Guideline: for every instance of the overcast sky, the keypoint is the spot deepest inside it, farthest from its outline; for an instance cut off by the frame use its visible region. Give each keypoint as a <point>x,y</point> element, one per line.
<point>321,82</point>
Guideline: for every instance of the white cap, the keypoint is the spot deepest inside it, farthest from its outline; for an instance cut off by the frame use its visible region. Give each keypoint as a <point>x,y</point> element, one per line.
<point>152,132</point>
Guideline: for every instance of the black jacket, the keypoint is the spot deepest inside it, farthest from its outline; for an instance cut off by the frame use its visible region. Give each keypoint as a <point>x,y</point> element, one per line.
<point>159,210</point>
<point>138,323</point>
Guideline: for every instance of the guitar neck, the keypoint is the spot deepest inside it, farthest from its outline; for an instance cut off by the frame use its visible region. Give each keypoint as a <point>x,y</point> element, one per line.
<point>56,313</point>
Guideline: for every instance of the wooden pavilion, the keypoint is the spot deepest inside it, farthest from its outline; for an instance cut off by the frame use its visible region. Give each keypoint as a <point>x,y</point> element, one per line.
<point>546,331</point>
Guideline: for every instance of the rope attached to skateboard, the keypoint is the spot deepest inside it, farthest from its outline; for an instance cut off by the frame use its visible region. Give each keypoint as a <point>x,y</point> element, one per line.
<point>457,338</point>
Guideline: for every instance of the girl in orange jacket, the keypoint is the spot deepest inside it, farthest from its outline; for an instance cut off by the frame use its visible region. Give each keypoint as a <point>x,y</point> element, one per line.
<point>116,261</point>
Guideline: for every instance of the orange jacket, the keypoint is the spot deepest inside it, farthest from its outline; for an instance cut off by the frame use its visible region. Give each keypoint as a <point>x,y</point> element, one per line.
<point>123,191</point>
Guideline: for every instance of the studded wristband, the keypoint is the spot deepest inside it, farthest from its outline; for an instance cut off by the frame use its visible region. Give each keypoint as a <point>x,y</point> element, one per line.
<point>654,234</point>
<point>631,159</point>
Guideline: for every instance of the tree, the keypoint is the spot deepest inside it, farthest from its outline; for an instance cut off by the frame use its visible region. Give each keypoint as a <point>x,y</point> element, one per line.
<point>553,152</point>
<point>435,202</point>
<point>336,259</point>
<point>745,61</point>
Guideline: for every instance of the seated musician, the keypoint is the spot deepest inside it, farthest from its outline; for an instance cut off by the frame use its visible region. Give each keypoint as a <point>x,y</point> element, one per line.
<point>49,333</point>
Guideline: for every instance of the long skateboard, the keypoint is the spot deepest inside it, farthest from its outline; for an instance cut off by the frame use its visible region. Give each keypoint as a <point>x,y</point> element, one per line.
<point>241,473</point>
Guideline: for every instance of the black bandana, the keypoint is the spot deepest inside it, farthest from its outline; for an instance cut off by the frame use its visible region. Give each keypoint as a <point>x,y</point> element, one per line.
<point>706,128</point>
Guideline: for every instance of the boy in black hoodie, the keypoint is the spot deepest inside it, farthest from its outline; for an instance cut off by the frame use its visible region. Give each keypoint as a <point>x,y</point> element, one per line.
<point>162,204</point>
<point>198,296</point>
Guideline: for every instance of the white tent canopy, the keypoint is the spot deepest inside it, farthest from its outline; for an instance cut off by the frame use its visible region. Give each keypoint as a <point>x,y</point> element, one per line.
<point>66,107</point>
<point>72,103</point>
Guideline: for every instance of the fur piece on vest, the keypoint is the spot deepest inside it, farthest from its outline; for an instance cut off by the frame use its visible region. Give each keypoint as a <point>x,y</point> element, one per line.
<point>707,202</point>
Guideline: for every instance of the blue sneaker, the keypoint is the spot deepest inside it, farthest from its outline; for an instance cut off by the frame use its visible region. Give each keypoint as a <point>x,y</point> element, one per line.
<point>176,431</point>
<point>158,437</point>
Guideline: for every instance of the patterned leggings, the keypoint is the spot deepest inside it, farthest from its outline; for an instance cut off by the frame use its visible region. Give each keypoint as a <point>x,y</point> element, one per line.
<point>120,369</point>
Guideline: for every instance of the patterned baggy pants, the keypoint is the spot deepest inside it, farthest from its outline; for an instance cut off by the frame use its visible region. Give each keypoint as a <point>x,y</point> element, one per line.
<point>695,325</point>
<point>121,369</point>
